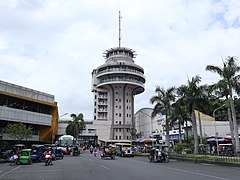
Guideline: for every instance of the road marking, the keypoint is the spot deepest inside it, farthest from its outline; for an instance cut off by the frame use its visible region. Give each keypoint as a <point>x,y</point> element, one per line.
<point>9,171</point>
<point>206,164</point>
<point>26,171</point>
<point>90,159</point>
<point>105,167</point>
<point>181,170</point>
<point>196,173</point>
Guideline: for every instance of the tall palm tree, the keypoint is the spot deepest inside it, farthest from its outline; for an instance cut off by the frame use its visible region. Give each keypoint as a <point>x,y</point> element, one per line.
<point>202,103</point>
<point>163,100</point>
<point>179,116</point>
<point>221,91</point>
<point>192,93</point>
<point>181,94</point>
<point>229,74</point>
<point>76,125</point>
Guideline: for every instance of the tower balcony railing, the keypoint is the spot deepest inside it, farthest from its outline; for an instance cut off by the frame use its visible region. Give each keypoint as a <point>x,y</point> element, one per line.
<point>119,70</point>
<point>120,80</point>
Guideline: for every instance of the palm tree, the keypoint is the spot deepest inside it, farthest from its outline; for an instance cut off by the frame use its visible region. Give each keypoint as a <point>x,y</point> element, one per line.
<point>221,91</point>
<point>163,100</point>
<point>179,116</point>
<point>192,94</point>
<point>76,125</point>
<point>202,104</point>
<point>229,74</point>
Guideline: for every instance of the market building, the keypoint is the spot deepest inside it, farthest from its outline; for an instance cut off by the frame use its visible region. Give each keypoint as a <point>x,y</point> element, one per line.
<point>31,107</point>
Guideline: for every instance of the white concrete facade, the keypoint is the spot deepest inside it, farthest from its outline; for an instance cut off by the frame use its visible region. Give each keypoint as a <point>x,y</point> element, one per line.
<point>151,127</point>
<point>114,85</point>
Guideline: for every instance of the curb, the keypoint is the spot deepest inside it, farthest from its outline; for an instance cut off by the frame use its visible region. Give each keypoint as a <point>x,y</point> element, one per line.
<point>232,164</point>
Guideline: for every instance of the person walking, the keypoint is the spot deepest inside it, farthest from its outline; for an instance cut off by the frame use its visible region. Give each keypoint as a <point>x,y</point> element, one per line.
<point>95,151</point>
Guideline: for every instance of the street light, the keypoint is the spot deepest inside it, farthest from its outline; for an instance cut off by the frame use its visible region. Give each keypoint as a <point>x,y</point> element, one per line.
<point>215,128</point>
<point>151,125</point>
<point>63,115</point>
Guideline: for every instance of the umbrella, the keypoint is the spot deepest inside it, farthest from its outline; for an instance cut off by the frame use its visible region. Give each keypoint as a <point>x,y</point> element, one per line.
<point>145,140</point>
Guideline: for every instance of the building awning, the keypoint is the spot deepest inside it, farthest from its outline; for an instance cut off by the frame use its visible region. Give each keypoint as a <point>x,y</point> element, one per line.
<point>219,139</point>
<point>145,140</point>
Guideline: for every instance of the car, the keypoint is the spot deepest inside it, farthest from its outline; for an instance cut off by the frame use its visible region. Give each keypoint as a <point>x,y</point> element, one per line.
<point>25,156</point>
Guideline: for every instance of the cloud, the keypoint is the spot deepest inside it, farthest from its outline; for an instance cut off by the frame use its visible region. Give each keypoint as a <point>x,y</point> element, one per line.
<point>53,46</point>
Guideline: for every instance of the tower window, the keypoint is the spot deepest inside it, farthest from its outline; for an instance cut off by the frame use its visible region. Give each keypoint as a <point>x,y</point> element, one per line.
<point>120,115</point>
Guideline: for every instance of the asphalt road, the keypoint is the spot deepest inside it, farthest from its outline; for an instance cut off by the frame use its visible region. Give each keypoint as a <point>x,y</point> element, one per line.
<point>88,167</point>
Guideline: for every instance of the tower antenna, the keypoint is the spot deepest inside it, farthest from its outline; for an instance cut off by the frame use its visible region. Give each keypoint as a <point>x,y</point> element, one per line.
<point>119,35</point>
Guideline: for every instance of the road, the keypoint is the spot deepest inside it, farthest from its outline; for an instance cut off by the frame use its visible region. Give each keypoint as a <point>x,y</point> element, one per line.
<point>88,167</point>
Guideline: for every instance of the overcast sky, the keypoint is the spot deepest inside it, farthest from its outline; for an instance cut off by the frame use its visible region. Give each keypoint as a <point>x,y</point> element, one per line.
<point>53,45</point>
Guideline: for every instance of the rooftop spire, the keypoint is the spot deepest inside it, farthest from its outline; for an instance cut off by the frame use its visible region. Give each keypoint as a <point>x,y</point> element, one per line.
<point>119,35</point>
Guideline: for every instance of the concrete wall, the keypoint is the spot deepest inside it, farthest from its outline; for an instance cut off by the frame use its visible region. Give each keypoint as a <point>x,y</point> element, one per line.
<point>17,115</point>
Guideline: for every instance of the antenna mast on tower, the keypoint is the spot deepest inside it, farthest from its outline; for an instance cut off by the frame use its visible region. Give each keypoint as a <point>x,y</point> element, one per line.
<point>119,36</point>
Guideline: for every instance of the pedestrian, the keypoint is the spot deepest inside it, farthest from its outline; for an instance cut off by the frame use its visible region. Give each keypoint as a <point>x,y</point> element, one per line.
<point>95,151</point>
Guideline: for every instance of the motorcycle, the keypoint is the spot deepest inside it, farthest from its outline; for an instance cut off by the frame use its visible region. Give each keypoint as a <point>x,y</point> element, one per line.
<point>48,160</point>
<point>158,156</point>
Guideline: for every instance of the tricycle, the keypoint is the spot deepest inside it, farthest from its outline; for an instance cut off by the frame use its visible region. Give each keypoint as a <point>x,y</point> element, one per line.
<point>158,155</point>
<point>57,151</point>
<point>25,156</point>
<point>108,151</point>
<point>38,152</point>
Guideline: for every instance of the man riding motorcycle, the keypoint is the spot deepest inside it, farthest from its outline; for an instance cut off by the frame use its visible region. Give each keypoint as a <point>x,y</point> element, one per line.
<point>158,155</point>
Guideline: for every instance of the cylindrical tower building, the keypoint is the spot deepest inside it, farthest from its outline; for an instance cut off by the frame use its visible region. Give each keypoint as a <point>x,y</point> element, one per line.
<point>114,85</point>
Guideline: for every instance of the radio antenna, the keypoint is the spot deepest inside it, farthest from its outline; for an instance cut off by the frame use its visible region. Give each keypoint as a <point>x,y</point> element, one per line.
<point>119,35</point>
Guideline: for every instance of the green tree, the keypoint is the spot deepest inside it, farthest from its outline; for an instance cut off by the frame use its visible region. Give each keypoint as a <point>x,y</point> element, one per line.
<point>192,94</point>
<point>163,100</point>
<point>230,77</point>
<point>179,116</point>
<point>221,90</point>
<point>18,131</point>
<point>76,125</point>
